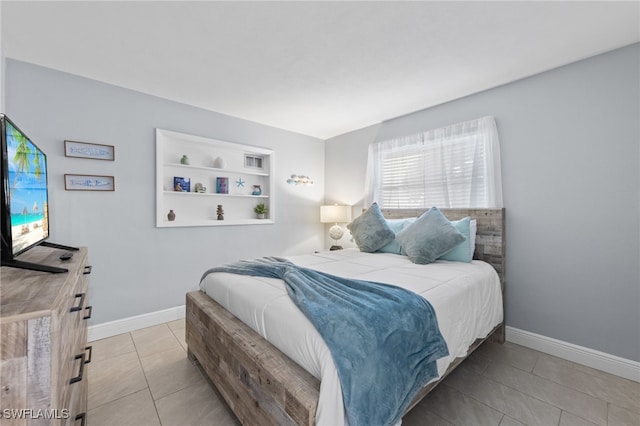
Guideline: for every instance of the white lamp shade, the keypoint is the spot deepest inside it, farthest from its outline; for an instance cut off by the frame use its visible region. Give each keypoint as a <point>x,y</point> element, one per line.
<point>335,214</point>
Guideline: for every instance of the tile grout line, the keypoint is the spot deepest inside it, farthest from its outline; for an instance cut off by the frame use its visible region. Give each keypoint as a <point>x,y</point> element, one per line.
<point>566,386</point>
<point>547,402</point>
<point>477,402</point>
<point>592,376</point>
<point>122,396</point>
<point>117,399</point>
<point>482,375</point>
<point>145,373</point>
<point>155,407</point>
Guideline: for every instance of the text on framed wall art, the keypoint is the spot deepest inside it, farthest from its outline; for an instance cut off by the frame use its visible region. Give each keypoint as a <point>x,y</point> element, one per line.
<point>88,183</point>
<point>92,151</point>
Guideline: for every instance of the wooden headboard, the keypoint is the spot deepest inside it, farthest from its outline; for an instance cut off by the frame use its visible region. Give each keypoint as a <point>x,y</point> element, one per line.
<point>490,236</point>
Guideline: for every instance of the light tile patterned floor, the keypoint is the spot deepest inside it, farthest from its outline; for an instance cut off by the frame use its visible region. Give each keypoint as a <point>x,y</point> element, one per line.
<point>145,378</point>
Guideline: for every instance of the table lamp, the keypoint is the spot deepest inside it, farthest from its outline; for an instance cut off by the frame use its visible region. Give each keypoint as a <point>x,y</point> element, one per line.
<point>335,214</point>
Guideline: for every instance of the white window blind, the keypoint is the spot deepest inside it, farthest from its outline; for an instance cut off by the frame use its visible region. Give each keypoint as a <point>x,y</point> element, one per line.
<point>455,166</point>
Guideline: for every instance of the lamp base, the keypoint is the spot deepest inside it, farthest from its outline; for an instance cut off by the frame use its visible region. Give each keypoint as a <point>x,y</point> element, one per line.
<point>332,248</point>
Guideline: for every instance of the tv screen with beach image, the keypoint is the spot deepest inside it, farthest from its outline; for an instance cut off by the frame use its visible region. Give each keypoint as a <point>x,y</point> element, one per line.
<point>27,190</point>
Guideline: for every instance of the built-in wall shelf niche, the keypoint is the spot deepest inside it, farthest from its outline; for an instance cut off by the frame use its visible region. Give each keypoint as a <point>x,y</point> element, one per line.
<point>195,175</point>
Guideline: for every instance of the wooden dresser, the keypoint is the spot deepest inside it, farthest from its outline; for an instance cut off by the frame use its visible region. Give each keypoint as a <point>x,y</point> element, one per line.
<point>43,341</point>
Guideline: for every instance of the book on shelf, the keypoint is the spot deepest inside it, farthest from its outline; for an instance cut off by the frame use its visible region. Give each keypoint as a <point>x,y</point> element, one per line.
<point>222,185</point>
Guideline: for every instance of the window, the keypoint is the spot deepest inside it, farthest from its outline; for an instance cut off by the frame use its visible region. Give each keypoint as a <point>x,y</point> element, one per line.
<point>451,167</point>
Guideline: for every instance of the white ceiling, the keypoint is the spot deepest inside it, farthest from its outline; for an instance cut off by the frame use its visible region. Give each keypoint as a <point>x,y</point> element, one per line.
<point>317,68</point>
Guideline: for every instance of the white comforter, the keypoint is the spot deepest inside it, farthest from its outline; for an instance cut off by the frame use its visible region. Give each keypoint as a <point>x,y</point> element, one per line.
<point>466,297</point>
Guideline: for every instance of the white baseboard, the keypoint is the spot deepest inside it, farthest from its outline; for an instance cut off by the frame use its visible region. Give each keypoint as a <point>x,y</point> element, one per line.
<point>612,364</point>
<point>125,325</point>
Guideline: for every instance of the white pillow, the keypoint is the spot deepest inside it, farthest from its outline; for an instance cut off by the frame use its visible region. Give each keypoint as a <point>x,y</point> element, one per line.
<point>473,228</point>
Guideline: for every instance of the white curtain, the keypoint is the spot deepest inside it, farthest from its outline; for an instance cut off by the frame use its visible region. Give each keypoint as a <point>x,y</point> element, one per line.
<point>457,166</point>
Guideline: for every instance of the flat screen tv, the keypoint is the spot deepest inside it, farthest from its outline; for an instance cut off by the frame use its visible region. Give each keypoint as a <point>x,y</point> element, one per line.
<point>24,198</point>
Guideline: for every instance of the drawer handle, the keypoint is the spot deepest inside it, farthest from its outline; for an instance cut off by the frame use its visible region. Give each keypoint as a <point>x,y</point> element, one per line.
<point>81,372</point>
<point>87,270</point>
<point>79,307</point>
<point>90,349</point>
<point>87,316</point>
<point>82,417</point>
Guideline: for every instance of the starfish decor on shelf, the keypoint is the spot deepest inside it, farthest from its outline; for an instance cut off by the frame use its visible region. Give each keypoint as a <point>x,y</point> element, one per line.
<point>240,183</point>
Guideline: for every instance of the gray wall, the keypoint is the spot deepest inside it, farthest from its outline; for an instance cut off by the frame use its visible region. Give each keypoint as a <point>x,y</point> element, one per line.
<point>571,179</point>
<point>138,268</point>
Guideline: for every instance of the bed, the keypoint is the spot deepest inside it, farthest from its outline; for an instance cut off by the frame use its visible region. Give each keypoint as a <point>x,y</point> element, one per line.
<point>260,380</point>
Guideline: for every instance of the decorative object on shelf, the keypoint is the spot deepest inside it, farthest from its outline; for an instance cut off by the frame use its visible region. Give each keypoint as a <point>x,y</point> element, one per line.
<point>252,161</point>
<point>220,212</point>
<point>300,180</point>
<point>261,210</point>
<point>181,184</point>
<point>219,163</point>
<point>200,188</point>
<point>257,190</point>
<point>88,183</point>
<point>222,185</point>
<point>171,216</point>
<point>335,214</point>
<point>184,160</point>
<point>240,183</point>
<point>92,151</point>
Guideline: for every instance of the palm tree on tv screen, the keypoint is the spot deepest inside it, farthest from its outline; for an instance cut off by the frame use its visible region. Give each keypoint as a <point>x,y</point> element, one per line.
<point>24,153</point>
<point>21,158</point>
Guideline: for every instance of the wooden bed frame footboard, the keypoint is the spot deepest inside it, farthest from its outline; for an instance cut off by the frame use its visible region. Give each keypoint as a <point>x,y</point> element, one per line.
<point>262,385</point>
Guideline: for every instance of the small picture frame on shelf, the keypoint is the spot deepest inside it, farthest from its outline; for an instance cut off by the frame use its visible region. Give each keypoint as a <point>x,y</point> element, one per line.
<point>92,151</point>
<point>181,184</point>
<point>88,183</point>
<point>222,185</point>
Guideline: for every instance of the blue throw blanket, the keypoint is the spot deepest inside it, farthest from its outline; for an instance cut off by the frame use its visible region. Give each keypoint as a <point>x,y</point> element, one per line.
<point>384,339</point>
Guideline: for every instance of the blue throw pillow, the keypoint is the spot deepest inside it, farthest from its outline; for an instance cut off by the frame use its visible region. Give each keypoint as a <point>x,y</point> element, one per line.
<point>429,237</point>
<point>462,252</point>
<point>396,226</point>
<point>370,230</point>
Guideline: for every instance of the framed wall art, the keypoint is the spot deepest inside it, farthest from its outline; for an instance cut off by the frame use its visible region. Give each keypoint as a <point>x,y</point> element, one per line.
<point>88,183</point>
<point>92,151</point>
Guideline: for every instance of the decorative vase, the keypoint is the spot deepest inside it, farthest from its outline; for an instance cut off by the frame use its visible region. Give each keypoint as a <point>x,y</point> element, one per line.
<point>219,163</point>
<point>220,212</point>
<point>184,160</point>
<point>171,216</point>
<point>257,190</point>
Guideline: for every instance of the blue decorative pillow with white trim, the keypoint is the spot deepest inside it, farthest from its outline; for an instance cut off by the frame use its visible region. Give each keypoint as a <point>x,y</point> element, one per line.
<point>429,237</point>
